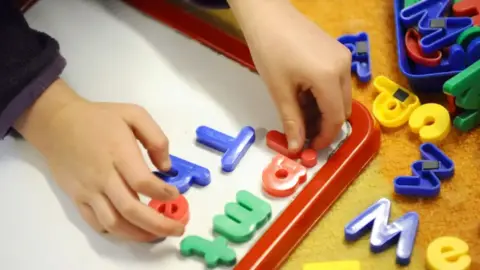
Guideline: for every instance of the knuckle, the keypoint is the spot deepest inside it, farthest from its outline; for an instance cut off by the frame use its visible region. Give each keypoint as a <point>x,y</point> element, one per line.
<point>159,144</point>
<point>141,185</point>
<point>112,225</point>
<point>345,53</point>
<point>128,210</point>
<point>333,70</point>
<point>345,57</point>
<point>138,111</point>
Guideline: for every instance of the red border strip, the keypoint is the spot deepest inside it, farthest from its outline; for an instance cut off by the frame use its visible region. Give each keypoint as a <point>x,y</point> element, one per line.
<point>26,4</point>
<point>200,30</point>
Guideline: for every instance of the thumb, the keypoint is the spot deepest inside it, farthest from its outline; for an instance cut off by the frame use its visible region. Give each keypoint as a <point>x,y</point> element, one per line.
<point>291,116</point>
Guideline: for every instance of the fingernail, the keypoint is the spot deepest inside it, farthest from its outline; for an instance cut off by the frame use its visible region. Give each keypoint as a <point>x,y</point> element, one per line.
<point>166,165</point>
<point>293,144</point>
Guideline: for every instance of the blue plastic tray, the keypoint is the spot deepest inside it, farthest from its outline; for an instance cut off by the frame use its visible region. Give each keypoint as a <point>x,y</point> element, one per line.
<point>432,82</point>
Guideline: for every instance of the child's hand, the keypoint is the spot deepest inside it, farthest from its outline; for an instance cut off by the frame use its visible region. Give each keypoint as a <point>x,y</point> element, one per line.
<point>293,55</point>
<point>93,154</point>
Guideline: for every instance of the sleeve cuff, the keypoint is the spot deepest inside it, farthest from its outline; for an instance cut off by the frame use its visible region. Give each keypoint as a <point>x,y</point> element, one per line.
<point>213,4</point>
<point>30,94</point>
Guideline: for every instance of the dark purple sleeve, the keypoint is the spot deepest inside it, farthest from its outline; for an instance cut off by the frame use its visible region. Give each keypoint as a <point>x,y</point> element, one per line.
<point>30,62</point>
<point>216,4</point>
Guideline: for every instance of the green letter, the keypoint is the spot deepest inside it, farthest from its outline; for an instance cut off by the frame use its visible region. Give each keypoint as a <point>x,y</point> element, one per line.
<point>243,218</point>
<point>214,253</point>
<point>465,87</point>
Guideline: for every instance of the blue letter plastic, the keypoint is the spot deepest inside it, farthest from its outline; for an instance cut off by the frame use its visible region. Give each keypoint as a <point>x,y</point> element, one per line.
<point>457,60</point>
<point>233,148</point>
<point>434,38</point>
<point>425,182</point>
<point>360,56</point>
<point>473,51</point>
<point>375,218</point>
<point>184,174</point>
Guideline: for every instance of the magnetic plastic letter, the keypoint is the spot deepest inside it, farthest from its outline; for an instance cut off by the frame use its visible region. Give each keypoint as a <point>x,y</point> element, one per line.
<point>465,87</point>
<point>283,176</point>
<point>359,45</point>
<point>233,149</point>
<point>214,252</point>
<point>309,158</point>
<point>403,230</point>
<point>184,174</point>
<point>431,121</point>
<point>473,51</point>
<point>437,32</point>
<point>425,182</point>
<point>448,253</point>
<point>394,104</point>
<point>467,36</point>
<point>415,53</point>
<point>242,218</point>
<point>177,209</point>
<point>470,8</point>
<point>467,120</point>
<point>470,42</point>
<point>277,141</point>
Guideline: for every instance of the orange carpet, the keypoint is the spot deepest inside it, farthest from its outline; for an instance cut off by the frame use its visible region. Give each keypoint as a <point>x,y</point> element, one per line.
<point>454,213</point>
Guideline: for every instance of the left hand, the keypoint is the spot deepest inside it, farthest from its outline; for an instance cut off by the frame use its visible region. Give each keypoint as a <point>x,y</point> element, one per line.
<point>295,57</point>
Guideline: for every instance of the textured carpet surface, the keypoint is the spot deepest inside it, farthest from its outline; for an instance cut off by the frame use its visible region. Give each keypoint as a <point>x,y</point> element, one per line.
<point>454,213</point>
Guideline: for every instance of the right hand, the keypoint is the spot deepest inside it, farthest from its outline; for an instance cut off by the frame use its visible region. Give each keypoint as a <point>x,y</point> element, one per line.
<point>92,151</point>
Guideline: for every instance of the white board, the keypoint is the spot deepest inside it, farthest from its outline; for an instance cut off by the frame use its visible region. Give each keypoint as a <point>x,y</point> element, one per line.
<point>207,202</point>
<point>116,54</point>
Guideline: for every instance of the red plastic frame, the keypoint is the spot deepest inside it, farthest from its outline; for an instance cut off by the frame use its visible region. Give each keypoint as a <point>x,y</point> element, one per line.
<point>26,4</point>
<point>186,23</point>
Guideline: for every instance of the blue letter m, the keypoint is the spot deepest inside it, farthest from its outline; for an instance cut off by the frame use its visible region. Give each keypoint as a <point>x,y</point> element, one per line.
<point>375,218</point>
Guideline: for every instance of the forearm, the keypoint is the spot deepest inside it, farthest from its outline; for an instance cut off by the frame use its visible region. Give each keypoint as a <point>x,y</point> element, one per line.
<point>29,63</point>
<point>249,13</point>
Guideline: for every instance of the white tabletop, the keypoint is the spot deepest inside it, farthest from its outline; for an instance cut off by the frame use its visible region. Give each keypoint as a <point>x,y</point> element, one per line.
<point>116,54</point>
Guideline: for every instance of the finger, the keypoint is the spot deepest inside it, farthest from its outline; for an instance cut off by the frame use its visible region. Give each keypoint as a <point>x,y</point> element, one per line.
<point>311,114</point>
<point>115,224</point>
<point>346,84</point>
<point>150,135</point>
<point>330,102</point>
<point>140,214</point>
<point>286,101</point>
<point>89,216</point>
<point>131,166</point>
